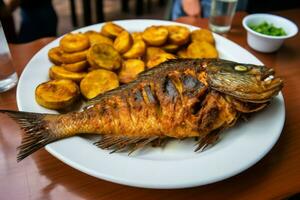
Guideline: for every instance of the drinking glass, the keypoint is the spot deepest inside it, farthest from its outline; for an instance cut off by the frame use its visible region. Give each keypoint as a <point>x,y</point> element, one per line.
<point>221,14</point>
<point>8,75</point>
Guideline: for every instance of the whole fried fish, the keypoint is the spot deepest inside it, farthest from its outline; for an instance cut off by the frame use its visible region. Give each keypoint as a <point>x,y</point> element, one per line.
<point>181,98</point>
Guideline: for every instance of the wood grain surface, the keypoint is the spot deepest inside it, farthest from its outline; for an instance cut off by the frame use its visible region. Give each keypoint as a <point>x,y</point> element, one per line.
<point>276,176</point>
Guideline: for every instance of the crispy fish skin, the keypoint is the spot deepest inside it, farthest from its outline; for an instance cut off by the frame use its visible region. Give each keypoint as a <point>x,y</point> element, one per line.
<point>178,99</point>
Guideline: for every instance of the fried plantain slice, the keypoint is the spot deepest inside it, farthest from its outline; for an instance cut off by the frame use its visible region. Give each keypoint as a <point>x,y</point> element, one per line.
<point>96,38</point>
<point>178,35</point>
<point>137,49</point>
<point>182,53</point>
<point>111,30</point>
<point>152,52</point>
<point>55,55</point>
<point>91,62</point>
<point>57,72</point>
<point>123,42</point>
<point>159,58</point>
<point>69,58</point>
<point>137,35</point>
<point>170,48</point>
<point>91,68</point>
<point>104,56</point>
<point>97,82</point>
<point>201,50</point>
<point>73,42</point>
<point>57,94</point>
<point>155,35</point>
<point>202,35</point>
<point>130,69</point>
<point>76,67</point>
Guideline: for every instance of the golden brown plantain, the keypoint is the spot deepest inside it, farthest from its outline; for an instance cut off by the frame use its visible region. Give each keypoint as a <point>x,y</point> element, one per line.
<point>137,35</point>
<point>76,67</point>
<point>137,50</point>
<point>97,82</point>
<point>57,72</point>
<point>130,69</point>
<point>69,58</point>
<point>152,52</point>
<point>111,30</point>
<point>57,94</point>
<point>104,56</point>
<point>159,58</point>
<point>123,42</point>
<point>73,42</point>
<point>182,53</point>
<point>155,35</point>
<point>96,38</point>
<point>202,50</point>
<point>178,35</point>
<point>170,48</point>
<point>55,55</point>
<point>202,35</point>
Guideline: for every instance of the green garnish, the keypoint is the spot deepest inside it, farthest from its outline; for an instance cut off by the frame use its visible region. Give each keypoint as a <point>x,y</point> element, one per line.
<point>267,29</point>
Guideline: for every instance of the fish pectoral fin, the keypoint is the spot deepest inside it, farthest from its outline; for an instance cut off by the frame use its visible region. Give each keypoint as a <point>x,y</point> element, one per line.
<point>123,143</point>
<point>208,140</point>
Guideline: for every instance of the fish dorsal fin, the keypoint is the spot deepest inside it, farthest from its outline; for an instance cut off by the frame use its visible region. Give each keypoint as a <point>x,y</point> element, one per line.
<point>122,143</point>
<point>90,103</point>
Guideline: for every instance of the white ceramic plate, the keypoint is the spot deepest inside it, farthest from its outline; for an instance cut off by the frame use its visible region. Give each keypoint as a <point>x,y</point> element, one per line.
<point>176,165</point>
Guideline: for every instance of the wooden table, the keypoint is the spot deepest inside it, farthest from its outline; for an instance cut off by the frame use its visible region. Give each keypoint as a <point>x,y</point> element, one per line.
<point>276,176</point>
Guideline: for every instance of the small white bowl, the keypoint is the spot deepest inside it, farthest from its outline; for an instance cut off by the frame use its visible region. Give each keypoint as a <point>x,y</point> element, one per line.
<point>267,43</point>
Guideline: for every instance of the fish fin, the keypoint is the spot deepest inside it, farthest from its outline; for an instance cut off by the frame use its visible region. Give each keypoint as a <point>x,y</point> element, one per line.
<point>37,135</point>
<point>208,140</point>
<point>121,143</point>
<point>142,144</point>
<point>160,142</point>
<point>92,102</point>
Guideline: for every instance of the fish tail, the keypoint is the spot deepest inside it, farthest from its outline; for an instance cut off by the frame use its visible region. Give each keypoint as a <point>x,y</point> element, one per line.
<point>37,133</point>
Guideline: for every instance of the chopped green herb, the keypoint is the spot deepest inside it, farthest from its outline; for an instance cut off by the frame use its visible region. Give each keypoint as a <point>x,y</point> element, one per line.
<point>267,29</point>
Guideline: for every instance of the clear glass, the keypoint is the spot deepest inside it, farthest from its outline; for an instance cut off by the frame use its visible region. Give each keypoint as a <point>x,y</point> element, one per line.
<point>221,14</point>
<point>8,75</point>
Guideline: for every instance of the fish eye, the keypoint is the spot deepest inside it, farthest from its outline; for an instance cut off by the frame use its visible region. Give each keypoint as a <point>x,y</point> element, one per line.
<point>240,68</point>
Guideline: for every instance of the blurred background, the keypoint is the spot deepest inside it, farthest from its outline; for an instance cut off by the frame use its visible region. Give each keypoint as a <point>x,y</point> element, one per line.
<point>112,9</point>
<point>27,20</point>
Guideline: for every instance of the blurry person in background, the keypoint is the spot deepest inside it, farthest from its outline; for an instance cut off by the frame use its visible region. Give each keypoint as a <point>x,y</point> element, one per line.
<point>38,19</point>
<point>197,8</point>
<point>201,8</point>
<point>7,22</point>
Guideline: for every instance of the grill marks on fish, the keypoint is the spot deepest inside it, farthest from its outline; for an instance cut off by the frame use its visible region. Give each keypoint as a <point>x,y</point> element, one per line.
<point>192,86</point>
<point>170,89</point>
<point>149,94</point>
<point>168,103</point>
<point>168,100</point>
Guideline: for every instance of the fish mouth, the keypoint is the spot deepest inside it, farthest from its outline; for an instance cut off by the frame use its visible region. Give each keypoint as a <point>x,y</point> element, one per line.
<point>270,87</point>
<point>268,74</point>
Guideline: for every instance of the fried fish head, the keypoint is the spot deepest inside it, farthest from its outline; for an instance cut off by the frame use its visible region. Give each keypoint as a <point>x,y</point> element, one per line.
<point>244,82</point>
